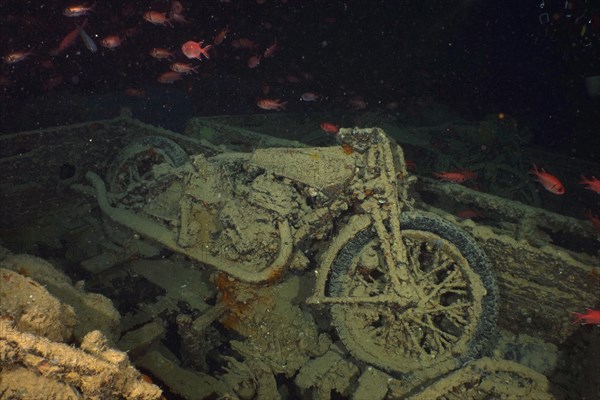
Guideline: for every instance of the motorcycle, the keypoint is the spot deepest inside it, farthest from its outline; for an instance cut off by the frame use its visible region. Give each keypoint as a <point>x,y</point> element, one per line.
<point>408,291</point>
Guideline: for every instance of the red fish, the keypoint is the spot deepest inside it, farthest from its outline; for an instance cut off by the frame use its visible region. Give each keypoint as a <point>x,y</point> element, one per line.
<point>135,92</point>
<point>254,62</point>
<point>549,181</point>
<point>184,68</point>
<point>330,128</point>
<point>160,53</point>
<point>592,317</point>
<point>244,43</point>
<point>595,220</point>
<point>176,13</point>
<point>157,18</point>
<point>270,51</point>
<point>469,214</point>
<point>169,77</point>
<point>193,49</point>
<point>111,42</point>
<point>270,104</point>
<point>592,184</point>
<point>69,39</point>
<point>458,176</point>
<point>221,36</point>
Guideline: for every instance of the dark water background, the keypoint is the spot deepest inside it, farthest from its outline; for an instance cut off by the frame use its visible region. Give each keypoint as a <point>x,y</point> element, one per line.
<point>475,57</point>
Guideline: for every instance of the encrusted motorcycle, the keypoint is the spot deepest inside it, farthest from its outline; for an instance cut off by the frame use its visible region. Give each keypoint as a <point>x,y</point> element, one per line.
<point>408,291</point>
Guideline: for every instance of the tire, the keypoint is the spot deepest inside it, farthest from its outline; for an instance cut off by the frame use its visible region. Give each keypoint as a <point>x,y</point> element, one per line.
<point>442,315</point>
<point>140,156</point>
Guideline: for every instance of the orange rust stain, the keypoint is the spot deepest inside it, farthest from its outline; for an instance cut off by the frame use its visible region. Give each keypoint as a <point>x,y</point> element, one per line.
<point>347,149</point>
<point>276,275</point>
<point>237,310</point>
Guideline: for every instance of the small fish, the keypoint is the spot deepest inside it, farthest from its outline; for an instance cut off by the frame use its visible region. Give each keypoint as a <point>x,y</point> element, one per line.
<point>69,39</point>
<point>592,184</point>
<point>78,10</point>
<point>595,220</point>
<point>169,77</point>
<point>193,49</point>
<point>5,82</point>
<point>88,41</point>
<point>549,181</point>
<point>330,128</point>
<point>221,36</point>
<point>270,51</point>
<point>244,43</point>
<point>160,53</point>
<point>176,13</point>
<point>254,62</point>
<point>457,176</point>
<point>157,18</point>
<point>184,68</point>
<point>357,103</point>
<point>16,56</point>
<point>111,42</point>
<point>52,82</point>
<point>310,96</point>
<point>135,92</point>
<point>270,104</point>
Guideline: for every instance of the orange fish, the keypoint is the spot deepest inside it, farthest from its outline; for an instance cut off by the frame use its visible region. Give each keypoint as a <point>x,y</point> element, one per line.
<point>111,42</point>
<point>193,49</point>
<point>160,53</point>
<point>157,18</point>
<point>330,128</point>
<point>78,10</point>
<point>592,184</point>
<point>270,104</point>
<point>549,181</point>
<point>16,56</point>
